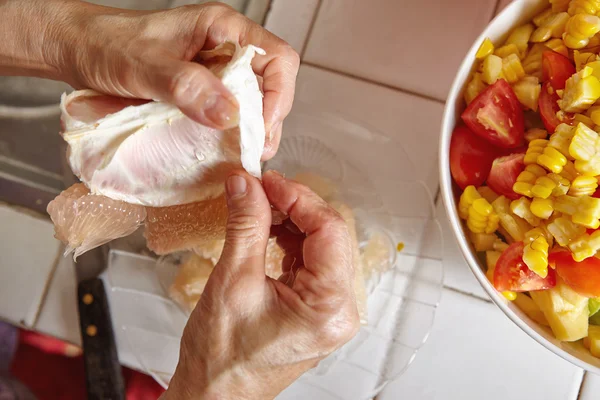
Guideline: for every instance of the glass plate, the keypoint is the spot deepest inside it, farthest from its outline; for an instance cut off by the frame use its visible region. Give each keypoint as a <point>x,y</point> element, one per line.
<point>374,176</point>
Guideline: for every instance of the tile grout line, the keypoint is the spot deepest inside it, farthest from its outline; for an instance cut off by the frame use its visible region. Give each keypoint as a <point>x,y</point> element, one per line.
<point>468,294</point>
<point>310,29</point>
<point>581,384</point>
<point>46,290</point>
<point>373,82</point>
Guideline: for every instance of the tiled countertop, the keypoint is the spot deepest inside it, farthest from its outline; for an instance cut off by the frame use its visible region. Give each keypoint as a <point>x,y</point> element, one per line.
<point>391,63</point>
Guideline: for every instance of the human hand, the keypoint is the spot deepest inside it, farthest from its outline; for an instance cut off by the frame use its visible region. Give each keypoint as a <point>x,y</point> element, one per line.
<point>149,55</point>
<point>251,336</point>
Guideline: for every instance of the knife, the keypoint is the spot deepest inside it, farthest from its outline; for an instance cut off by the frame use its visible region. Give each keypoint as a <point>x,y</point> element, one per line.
<point>104,380</point>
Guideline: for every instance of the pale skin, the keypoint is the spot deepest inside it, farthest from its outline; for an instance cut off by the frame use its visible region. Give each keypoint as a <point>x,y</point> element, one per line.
<point>250,336</point>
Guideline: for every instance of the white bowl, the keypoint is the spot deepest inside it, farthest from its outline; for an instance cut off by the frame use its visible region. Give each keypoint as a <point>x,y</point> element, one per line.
<point>519,12</point>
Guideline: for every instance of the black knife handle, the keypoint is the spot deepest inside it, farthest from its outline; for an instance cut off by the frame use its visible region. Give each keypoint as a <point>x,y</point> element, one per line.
<point>104,379</point>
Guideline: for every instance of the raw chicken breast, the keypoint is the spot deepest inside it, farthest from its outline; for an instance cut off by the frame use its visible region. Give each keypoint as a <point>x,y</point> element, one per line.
<point>83,221</point>
<point>151,154</point>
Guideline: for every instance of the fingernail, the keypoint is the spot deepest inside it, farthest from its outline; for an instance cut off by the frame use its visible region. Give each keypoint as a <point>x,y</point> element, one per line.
<point>273,129</point>
<point>222,111</point>
<point>236,186</point>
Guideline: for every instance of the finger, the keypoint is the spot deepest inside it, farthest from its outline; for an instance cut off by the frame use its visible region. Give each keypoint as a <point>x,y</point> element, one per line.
<point>197,92</point>
<point>291,245</point>
<point>272,143</point>
<point>327,247</point>
<point>248,226</point>
<point>279,67</point>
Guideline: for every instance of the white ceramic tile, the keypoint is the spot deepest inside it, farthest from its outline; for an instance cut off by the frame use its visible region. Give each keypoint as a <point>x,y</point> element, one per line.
<point>28,252</point>
<point>416,46</point>
<point>474,352</point>
<point>392,120</point>
<point>58,316</point>
<point>457,273</point>
<point>291,20</point>
<point>502,5</point>
<point>590,389</point>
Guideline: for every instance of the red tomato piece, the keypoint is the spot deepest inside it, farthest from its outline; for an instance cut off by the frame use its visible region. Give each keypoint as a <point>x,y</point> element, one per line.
<point>583,277</point>
<point>504,173</point>
<point>470,157</point>
<point>556,69</point>
<point>548,104</point>
<point>512,274</point>
<point>497,116</point>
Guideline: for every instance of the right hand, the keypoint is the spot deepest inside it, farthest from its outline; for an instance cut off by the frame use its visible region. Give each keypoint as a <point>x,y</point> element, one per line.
<point>251,336</point>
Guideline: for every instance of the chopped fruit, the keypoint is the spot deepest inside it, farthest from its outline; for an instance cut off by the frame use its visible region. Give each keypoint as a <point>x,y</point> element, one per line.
<point>486,48</point>
<point>585,149</point>
<point>556,69</point>
<point>528,91</point>
<point>579,29</point>
<point>471,157</point>
<point>511,273</point>
<point>535,256</point>
<point>548,106</point>
<point>528,306</point>
<point>581,91</point>
<point>504,173</point>
<point>514,226</point>
<point>583,276</point>
<point>479,214</point>
<point>496,116</point>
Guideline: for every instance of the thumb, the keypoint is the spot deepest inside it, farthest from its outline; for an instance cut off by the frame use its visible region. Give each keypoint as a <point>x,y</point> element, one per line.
<point>248,225</point>
<point>197,92</point>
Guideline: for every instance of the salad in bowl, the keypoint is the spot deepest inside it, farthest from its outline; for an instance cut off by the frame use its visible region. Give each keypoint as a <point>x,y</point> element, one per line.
<point>520,165</point>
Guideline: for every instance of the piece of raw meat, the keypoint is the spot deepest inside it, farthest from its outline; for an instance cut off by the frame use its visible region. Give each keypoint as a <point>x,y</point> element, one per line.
<point>83,221</point>
<point>151,154</point>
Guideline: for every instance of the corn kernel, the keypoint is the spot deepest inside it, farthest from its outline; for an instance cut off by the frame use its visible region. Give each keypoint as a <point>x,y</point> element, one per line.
<point>478,213</point>
<point>527,179</point>
<point>585,149</point>
<point>491,69</point>
<point>581,91</point>
<point>588,212</point>
<point>535,256</point>
<point>535,133</point>
<point>528,92</point>
<point>512,69</point>
<point>584,119</point>
<point>552,160</point>
<point>581,6</point>
<point>582,58</point>
<point>507,50</point>
<point>513,226</point>
<point>510,296</point>
<point>554,25</point>
<point>585,246</point>
<point>564,230</point>
<point>579,29</point>
<point>583,186</point>
<point>561,139</point>
<point>543,187</point>
<point>569,172</point>
<point>474,87</point>
<point>534,150</point>
<point>542,208</point>
<point>520,37</point>
<point>562,184</point>
<point>594,114</point>
<point>486,48</point>
<point>521,207</point>
<point>532,63</point>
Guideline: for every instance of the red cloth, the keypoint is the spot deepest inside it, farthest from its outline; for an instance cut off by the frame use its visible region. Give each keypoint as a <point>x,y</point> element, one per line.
<point>43,364</point>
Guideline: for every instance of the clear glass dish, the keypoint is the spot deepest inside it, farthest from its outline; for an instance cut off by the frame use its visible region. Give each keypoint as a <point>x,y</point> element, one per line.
<point>375,178</point>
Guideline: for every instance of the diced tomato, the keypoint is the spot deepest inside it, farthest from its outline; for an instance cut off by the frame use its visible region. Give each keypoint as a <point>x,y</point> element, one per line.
<point>470,157</point>
<point>504,173</point>
<point>556,69</point>
<point>512,274</point>
<point>596,194</point>
<point>497,116</point>
<point>583,277</point>
<point>548,104</point>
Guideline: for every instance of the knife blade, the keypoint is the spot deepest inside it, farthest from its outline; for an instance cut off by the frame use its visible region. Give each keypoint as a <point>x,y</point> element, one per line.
<point>104,379</point>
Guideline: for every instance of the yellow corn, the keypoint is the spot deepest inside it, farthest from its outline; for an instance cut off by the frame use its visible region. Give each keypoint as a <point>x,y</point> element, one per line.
<point>565,231</point>
<point>581,6</point>
<point>585,246</point>
<point>520,37</point>
<point>513,226</point>
<point>534,150</point>
<point>507,50</point>
<point>527,179</point>
<point>562,184</point>
<point>552,160</point>
<point>491,69</point>
<point>539,19</point>
<point>510,296</point>
<point>582,58</point>
<point>561,139</point>
<point>595,66</point>
<point>584,210</point>
<point>528,92</point>
<point>542,208</point>
<point>522,208</point>
<point>512,69</point>
<point>579,29</point>
<point>585,149</point>
<point>543,187</point>
<point>581,91</point>
<point>487,193</point>
<point>535,133</point>
<point>535,256</point>
<point>558,46</point>
<point>479,214</point>
<point>534,233</point>
<point>594,114</point>
<point>474,87</point>
<point>553,25</point>
<point>486,48</point>
<point>532,63</point>
<point>584,119</point>
<point>569,172</point>
<point>583,186</point>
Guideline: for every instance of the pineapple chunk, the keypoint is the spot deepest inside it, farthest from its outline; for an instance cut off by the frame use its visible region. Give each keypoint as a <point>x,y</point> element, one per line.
<point>528,92</point>
<point>592,341</point>
<point>483,241</point>
<point>566,311</point>
<point>528,306</point>
<point>491,258</point>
